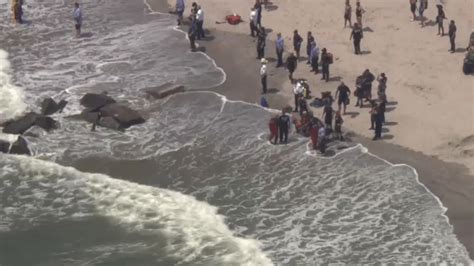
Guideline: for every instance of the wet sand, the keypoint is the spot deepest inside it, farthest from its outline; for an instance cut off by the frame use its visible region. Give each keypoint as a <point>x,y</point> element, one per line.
<point>450,182</point>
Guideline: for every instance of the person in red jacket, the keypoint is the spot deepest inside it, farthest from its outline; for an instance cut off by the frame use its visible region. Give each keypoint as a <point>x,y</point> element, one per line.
<point>273,126</point>
<point>314,131</point>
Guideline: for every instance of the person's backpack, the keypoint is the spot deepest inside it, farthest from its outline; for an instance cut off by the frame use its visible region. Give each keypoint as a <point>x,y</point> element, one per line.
<point>330,58</point>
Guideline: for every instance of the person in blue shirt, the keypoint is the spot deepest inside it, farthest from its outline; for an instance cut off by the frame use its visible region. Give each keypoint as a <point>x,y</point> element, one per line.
<point>180,10</point>
<point>314,57</point>
<point>280,47</point>
<point>78,19</point>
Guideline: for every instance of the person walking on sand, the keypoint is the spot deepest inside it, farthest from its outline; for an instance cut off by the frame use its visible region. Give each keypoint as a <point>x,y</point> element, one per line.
<point>180,11</point>
<point>280,47</point>
<point>78,19</point>
<point>263,75</point>
<point>421,9</point>
<point>342,95</point>
<point>314,56</point>
<point>413,9</point>
<point>284,123</point>
<point>359,11</point>
<point>356,35</point>
<point>200,23</point>
<point>297,41</point>
<point>273,126</point>
<point>291,64</point>
<point>252,23</point>
<point>261,43</point>
<point>309,45</point>
<point>439,19</point>
<point>452,35</point>
<point>338,121</point>
<point>348,14</point>
<point>328,114</point>
<point>326,60</point>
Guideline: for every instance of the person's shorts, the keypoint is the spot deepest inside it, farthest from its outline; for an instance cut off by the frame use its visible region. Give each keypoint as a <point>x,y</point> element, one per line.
<point>342,100</point>
<point>413,7</point>
<point>347,16</point>
<point>180,13</point>
<point>78,26</point>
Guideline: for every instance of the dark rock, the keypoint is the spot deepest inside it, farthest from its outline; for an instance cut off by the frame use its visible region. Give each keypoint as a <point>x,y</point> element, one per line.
<point>110,122</point>
<point>20,146</point>
<point>46,123</point>
<point>125,116</point>
<point>61,105</point>
<point>91,117</point>
<point>94,101</point>
<point>4,146</point>
<point>20,125</point>
<point>164,90</point>
<point>49,107</point>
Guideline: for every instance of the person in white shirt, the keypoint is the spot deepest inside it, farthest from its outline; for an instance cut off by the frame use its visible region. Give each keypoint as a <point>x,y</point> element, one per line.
<point>200,23</point>
<point>253,25</point>
<point>78,19</point>
<point>263,75</point>
<point>298,90</point>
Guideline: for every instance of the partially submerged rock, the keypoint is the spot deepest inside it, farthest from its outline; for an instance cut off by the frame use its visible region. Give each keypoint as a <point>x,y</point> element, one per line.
<point>95,101</point>
<point>164,90</point>
<point>20,146</point>
<point>49,106</point>
<point>46,123</point>
<point>4,146</point>
<point>20,125</point>
<point>110,122</point>
<point>125,116</point>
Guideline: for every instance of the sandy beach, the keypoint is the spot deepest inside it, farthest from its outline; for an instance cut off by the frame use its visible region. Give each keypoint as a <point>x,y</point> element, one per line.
<point>426,87</point>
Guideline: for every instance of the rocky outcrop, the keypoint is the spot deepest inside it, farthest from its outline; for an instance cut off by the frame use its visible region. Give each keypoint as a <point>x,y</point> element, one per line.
<point>46,123</point>
<point>111,123</point>
<point>49,106</point>
<point>164,90</point>
<point>4,146</point>
<point>125,116</point>
<point>94,101</point>
<point>22,124</point>
<point>20,146</point>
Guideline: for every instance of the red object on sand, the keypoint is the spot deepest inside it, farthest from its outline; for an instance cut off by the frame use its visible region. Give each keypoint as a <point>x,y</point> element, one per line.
<point>233,19</point>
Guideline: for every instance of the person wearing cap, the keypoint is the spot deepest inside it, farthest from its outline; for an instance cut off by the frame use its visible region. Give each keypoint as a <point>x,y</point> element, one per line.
<point>280,47</point>
<point>263,75</point>
<point>291,64</point>
<point>298,90</point>
<point>452,36</point>
<point>297,41</point>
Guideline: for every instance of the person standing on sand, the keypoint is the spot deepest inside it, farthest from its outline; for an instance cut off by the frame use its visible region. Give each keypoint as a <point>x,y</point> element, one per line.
<point>309,45</point>
<point>348,14</point>
<point>421,10</point>
<point>273,126</point>
<point>261,42</point>
<point>359,11</point>
<point>342,95</point>
<point>382,107</point>
<point>297,41</point>
<point>298,90</point>
<point>284,124</point>
<point>200,23</point>
<point>378,125</point>
<point>382,79</point>
<point>280,47</point>
<point>314,57</point>
<point>373,113</point>
<point>452,36</point>
<point>253,25</point>
<point>439,19</point>
<point>413,9</point>
<point>78,19</point>
<point>291,64</point>
<point>258,9</point>
<point>180,11</point>
<point>328,114</point>
<point>263,75</point>
<point>338,121</point>
<point>357,34</point>
<point>325,62</point>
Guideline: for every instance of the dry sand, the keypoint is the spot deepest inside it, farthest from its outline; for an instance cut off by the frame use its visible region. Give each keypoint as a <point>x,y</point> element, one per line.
<point>431,113</point>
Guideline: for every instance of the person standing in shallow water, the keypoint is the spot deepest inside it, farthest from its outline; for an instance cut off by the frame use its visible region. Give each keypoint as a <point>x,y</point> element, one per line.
<point>273,126</point>
<point>348,14</point>
<point>284,125</point>
<point>280,47</point>
<point>357,35</point>
<point>180,11</point>
<point>78,19</point>
<point>297,42</point>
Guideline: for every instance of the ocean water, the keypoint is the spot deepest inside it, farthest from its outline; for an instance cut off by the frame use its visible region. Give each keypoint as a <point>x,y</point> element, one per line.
<point>197,184</point>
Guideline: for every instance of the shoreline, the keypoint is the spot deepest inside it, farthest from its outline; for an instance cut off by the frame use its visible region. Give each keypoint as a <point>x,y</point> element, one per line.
<point>451,183</point>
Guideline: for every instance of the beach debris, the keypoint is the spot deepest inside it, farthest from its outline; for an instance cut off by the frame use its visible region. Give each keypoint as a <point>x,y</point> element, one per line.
<point>20,146</point>
<point>164,90</point>
<point>95,101</point>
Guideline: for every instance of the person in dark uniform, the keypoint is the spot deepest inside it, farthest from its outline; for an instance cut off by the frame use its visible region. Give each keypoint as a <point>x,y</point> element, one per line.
<point>325,62</point>
<point>439,19</point>
<point>342,95</point>
<point>382,107</point>
<point>258,9</point>
<point>328,114</point>
<point>378,126</point>
<point>261,42</point>
<point>291,64</point>
<point>284,126</point>
<point>357,35</point>
<point>452,36</point>
<point>309,46</point>
<point>297,41</point>
<point>347,14</point>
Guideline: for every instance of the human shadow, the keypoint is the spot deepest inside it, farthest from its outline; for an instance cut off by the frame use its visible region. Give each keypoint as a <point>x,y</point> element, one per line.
<point>200,49</point>
<point>208,38</point>
<point>303,59</point>
<point>86,35</point>
<point>389,109</point>
<point>430,23</point>
<point>460,50</point>
<point>388,136</point>
<point>385,130</point>
<point>273,90</point>
<point>271,59</point>
<point>270,6</point>
<point>392,103</point>
<point>365,52</point>
<point>352,114</point>
<point>368,29</point>
<point>268,30</point>
<point>336,78</point>
<point>329,153</point>
<point>391,123</point>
